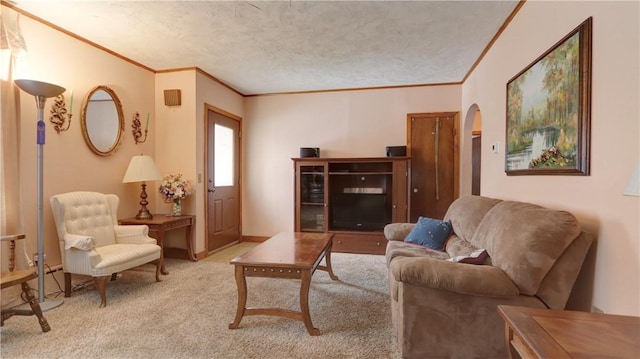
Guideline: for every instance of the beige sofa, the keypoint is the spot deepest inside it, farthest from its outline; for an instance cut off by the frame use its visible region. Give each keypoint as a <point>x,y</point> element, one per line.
<point>445,309</point>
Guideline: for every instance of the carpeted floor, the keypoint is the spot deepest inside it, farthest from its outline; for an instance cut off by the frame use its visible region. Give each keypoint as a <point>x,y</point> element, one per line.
<point>188,313</point>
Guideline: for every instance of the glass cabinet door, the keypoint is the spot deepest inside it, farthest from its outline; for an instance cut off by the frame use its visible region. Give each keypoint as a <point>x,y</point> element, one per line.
<point>312,197</point>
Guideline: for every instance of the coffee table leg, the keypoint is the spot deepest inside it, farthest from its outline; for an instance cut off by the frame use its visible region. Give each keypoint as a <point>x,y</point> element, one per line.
<point>305,283</point>
<point>327,259</point>
<point>242,296</point>
<point>327,267</point>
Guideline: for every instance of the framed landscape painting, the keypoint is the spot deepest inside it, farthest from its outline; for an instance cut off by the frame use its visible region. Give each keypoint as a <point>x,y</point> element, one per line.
<point>549,110</point>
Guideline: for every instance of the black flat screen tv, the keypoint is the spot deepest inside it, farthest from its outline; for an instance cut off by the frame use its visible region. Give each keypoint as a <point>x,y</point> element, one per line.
<point>359,211</point>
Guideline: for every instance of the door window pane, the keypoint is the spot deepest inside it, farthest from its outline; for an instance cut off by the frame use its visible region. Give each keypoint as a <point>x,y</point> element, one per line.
<point>223,171</point>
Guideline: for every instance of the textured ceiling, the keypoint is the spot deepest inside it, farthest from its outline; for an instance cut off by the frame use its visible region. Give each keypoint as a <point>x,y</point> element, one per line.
<point>261,47</point>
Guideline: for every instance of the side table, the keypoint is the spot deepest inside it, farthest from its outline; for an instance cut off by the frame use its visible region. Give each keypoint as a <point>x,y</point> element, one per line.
<point>546,333</point>
<point>161,223</point>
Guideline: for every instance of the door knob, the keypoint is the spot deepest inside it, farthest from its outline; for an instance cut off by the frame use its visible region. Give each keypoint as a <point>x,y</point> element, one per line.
<point>415,190</point>
<point>211,190</point>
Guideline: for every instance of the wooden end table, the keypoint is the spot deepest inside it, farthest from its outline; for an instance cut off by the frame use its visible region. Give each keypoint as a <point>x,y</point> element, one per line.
<point>286,255</point>
<point>161,223</point>
<point>546,333</point>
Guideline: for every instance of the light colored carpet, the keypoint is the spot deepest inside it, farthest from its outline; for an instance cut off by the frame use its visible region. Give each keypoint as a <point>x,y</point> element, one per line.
<point>188,313</point>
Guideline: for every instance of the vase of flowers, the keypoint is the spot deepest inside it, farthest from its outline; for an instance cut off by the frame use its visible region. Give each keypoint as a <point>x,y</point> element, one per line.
<point>174,189</point>
<point>176,208</point>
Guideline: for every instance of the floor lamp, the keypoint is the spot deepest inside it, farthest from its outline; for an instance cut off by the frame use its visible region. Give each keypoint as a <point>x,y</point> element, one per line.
<point>41,91</point>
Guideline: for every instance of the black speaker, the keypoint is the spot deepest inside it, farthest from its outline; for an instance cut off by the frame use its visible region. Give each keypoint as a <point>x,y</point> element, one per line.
<point>396,151</point>
<point>309,152</point>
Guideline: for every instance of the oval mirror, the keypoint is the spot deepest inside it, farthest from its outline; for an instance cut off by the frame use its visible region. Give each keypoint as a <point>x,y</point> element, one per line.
<point>102,121</point>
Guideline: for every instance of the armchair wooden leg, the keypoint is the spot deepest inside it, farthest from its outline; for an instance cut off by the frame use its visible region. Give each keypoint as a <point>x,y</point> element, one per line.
<point>101,284</point>
<point>5,315</point>
<point>35,307</point>
<point>67,284</point>
<point>158,269</point>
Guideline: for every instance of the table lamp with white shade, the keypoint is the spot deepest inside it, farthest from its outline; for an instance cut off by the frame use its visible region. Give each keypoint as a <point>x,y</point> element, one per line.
<point>141,169</point>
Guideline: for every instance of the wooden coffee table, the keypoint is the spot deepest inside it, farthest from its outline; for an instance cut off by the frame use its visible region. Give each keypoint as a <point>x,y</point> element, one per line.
<point>285,255</point>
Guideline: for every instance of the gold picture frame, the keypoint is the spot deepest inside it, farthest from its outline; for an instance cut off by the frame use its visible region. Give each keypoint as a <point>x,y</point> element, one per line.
<point>549,110</point>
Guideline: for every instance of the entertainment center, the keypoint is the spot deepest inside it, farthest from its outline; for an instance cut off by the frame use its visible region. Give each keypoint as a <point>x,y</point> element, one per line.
<point>353,198</point>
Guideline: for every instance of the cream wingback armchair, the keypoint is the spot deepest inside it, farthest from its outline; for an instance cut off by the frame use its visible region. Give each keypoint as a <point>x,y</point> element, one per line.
<point>92,243</point>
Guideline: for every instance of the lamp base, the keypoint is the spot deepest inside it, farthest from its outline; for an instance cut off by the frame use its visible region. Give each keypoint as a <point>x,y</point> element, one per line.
<point>49,304</point>
<point>45,306</point>
<point>144,214</point>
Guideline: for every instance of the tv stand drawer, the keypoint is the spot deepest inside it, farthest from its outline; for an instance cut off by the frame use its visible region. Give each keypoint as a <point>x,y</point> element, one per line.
<point>363,243</point>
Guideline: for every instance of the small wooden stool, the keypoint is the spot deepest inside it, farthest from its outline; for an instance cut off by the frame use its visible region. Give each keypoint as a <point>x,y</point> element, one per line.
<point>13,277</point>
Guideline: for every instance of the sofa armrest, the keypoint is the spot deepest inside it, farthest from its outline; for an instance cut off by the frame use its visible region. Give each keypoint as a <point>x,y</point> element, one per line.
<point>133,234</point>
<point>77,241</point>
<point>397,231</point>
<point>482,280</point>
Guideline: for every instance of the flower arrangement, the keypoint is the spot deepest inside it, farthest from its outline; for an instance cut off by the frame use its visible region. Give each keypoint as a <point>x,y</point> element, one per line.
<point>174,187</point>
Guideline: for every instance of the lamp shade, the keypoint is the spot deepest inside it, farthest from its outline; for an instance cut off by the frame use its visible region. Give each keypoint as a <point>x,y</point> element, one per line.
<point>39,88</point>
<point>633,187</point>
<point>141,168</point>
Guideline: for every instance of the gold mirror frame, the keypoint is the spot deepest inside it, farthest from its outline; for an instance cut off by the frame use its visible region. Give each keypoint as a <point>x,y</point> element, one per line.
<point>120,122</point>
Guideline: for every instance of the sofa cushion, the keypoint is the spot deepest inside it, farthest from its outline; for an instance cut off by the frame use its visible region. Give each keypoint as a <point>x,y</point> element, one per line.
<point>465,214</point>
<point>453,277</point>
<point>404,249</point>
<point>479,256</point>
<point>525,240</point>
<point>397,231</point>
<point>457,246</point>
<point>429,232</point>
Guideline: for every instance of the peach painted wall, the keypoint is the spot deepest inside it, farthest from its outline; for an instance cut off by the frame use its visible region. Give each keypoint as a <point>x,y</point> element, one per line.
<point>180,139</point>
<point>68,163</point>
<point>343,124</point>
<point>356,123</point>
<point>213,94</point>
<point>176,149</point>
<point>613,266</point>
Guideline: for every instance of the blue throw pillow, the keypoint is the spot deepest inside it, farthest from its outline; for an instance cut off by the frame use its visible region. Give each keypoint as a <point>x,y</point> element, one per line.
<point>431,233</point>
